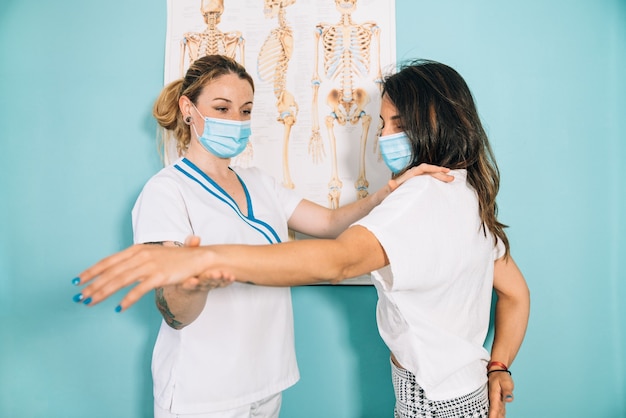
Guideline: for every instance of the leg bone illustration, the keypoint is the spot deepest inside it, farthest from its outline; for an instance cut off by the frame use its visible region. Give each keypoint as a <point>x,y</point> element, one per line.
<point>272,65</point>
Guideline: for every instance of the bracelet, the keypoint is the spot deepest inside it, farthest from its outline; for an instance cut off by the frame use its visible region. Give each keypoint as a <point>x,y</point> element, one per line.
<point>498,370</point>
<point>393,185</point>
<point>498,364</point>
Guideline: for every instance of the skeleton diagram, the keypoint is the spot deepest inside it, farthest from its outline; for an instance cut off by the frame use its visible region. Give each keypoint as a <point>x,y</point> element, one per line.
<point>272,66</point>
<point>346,56</point>
<point>212,40</point>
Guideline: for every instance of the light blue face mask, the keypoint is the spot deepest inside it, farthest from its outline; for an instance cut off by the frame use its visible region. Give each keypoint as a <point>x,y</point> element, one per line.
<point>396,151</point>
<point>224,138</point>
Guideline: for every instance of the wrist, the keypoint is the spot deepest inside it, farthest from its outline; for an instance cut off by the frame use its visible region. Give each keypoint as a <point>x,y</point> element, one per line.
<point>496,365</point>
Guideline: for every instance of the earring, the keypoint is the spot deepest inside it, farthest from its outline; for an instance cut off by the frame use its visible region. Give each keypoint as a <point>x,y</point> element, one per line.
<point>188,120</point>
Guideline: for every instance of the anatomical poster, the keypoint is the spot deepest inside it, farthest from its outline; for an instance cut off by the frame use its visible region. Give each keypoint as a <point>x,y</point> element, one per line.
<point>317,67</point>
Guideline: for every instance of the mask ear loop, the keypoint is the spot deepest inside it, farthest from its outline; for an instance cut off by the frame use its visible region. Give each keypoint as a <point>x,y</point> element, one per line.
<point>201,115</point>
<point>189,119</point>
<point>195,131</point>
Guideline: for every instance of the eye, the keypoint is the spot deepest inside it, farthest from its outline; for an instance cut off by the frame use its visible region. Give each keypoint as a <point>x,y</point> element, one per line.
<point>247,112</point>
<point>221,109</point>
<point>398,124</point>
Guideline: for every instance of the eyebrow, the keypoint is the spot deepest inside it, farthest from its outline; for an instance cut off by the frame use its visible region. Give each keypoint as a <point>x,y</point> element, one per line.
<point>230,101</point>
<point>393,118</point>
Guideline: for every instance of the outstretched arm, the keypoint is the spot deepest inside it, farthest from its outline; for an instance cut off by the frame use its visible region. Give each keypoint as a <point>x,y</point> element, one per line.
<point>321,222</point>
<point>512,312</point>
<point>355,252</point>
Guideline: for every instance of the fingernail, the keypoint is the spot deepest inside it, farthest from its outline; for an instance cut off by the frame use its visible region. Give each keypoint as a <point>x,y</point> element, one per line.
<point>75,281</point>
<point>87,301</point>
<point>78,297</point>
<point>509,397</point>
<point>118,308</point>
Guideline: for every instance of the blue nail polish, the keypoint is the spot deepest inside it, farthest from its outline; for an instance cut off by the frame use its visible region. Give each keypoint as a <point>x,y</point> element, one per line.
<point>75,281</point>
<point>87,301</point>
<point>78,297</point>
<point>509,396</point>
<point>118,308</point>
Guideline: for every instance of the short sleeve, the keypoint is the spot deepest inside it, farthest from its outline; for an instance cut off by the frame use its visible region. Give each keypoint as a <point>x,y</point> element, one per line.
<point>160,213</point>
<point>499,249</point>
<point>387,222</point>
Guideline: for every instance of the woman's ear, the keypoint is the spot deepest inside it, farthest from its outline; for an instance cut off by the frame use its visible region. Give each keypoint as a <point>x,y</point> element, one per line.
<point>185,105</point>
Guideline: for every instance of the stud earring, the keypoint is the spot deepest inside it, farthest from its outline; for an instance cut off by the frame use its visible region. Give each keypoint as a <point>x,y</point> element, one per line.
<point>188,120</point>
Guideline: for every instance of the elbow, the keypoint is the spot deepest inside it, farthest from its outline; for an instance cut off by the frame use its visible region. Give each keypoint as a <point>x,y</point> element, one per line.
<point>336,280</point>
<point>174,324</point>
<point>342,273</point>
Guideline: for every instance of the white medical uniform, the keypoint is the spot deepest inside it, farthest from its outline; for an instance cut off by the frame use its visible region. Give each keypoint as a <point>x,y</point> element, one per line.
<point>435,295</point>
<point>241,347</point>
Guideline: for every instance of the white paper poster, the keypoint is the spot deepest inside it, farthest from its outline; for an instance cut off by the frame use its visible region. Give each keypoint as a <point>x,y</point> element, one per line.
<point>317,66</point>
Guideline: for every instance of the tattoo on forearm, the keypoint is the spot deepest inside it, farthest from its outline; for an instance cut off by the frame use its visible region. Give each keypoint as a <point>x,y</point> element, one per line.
<point>159,298</point>
<point>168,316</point>
<point>176,243</point>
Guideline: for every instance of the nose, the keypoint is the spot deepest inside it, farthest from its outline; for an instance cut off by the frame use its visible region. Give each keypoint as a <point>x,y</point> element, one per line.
<point>385,131</point>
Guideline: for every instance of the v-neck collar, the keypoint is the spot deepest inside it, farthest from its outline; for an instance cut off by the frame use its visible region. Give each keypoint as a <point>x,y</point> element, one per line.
<point>194,173</point>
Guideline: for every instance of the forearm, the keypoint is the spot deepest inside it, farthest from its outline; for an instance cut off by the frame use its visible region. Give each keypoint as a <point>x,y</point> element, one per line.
<point>179,307</point>
<point>512,310</point>
<point>510,327</point>
<point>344,216</point>
<point>286,264</point>
<point>353,253</point>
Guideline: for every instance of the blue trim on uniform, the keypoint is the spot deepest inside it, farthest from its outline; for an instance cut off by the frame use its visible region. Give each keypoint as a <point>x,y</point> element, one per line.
<point>250,220</point>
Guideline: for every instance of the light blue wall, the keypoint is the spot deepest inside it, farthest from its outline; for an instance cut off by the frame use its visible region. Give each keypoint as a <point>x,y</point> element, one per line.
<point>77,81</point>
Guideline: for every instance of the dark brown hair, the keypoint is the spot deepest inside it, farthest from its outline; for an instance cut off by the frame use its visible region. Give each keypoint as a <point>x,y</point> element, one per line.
<point>439,116</point>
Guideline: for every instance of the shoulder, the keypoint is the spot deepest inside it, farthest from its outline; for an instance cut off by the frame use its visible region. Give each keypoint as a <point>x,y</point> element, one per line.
<point>426,186</point>
<point>167,179</point>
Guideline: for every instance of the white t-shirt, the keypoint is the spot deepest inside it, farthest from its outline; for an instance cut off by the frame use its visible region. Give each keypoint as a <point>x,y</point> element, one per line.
<point>241,347</point>
<point>435,294</point>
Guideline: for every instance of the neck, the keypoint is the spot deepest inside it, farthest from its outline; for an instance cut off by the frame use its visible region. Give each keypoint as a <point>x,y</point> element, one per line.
<point>214,167</point>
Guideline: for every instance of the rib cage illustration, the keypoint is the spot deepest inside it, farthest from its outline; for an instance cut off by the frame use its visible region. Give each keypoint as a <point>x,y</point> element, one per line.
<point>346,56</point>
<point>272,66</point>
<point>212,40</point>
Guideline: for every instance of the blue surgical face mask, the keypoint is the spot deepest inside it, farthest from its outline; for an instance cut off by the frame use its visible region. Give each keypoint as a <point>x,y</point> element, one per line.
<point>224,138</point>
<point>396,151</point>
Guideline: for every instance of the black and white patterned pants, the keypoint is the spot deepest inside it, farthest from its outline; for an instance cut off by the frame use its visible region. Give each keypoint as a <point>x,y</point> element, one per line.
<point>411,402</point>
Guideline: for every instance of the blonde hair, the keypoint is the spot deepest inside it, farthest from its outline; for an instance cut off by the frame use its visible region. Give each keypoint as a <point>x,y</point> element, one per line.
<point>174,134</point>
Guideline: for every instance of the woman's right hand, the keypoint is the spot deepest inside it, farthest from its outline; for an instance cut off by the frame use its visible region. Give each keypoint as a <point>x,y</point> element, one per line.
<point>440,173</point>
<point>148,267</point>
